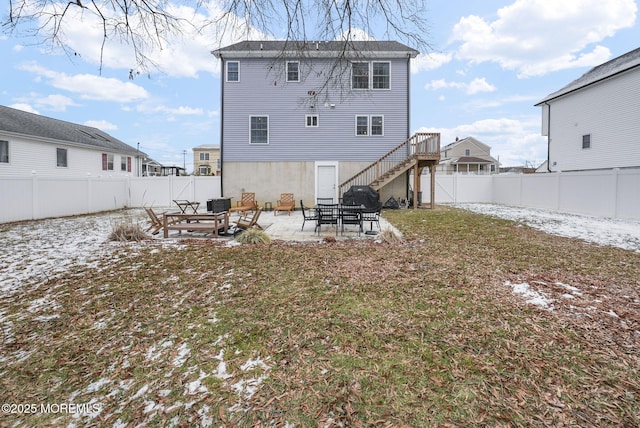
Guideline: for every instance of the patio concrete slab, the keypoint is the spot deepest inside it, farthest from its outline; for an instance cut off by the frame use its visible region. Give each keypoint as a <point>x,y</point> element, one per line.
<point>289,228</point>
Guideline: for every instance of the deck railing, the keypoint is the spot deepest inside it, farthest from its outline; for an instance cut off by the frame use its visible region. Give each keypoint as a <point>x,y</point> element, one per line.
<point>421,144</point>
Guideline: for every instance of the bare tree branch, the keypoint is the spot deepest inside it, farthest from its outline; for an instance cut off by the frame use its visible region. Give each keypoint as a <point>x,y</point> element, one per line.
<point>148,26</point>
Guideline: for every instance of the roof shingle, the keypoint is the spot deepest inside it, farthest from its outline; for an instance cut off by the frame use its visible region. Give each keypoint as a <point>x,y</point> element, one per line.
<point>33,125</point>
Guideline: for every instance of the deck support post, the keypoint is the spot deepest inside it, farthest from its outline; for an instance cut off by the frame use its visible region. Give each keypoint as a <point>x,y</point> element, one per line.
<point>416,184</point>
<point>432,173</point>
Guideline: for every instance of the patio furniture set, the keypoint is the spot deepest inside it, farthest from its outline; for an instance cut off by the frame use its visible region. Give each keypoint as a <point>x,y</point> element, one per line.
<point>351,211</point>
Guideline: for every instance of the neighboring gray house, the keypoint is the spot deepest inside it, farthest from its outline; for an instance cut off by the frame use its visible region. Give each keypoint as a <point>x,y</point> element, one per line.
<point>594,121</point>
<point>467,156</point>
<point>306,117</point>
<point>34,144</point>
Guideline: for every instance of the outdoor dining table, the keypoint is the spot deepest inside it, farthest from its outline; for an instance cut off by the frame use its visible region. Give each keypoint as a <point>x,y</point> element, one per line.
<point>339,215</point>
<point>184,205</point>
<point>209,222</point>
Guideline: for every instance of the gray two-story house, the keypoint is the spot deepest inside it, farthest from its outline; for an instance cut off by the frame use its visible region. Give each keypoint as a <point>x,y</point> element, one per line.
<point>308,117</point>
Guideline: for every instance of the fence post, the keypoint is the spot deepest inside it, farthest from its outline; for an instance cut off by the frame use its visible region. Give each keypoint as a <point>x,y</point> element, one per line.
<point>616,187</point>
<point>34,195</point>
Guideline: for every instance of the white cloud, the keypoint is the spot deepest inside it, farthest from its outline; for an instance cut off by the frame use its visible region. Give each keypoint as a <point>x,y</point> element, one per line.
<point>514,142</point>
<point>55,102</point>
<point>431,61</point>
<point>150,108</point>
<point>88,86</point>
<point>103,125</point>
<point>475,86</point>
<point>535,37</point>
<point>24,107</point>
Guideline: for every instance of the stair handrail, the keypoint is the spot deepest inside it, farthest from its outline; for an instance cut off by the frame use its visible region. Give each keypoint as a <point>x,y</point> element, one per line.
<point>420,143</point>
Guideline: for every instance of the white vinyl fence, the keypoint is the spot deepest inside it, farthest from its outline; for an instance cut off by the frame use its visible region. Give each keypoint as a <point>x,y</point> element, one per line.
<point>607,193</point>
<point>36,197</point>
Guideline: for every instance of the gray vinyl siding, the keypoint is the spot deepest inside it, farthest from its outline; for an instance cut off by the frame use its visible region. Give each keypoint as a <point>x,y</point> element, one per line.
<point>263,90</point>
<point>610,112</point>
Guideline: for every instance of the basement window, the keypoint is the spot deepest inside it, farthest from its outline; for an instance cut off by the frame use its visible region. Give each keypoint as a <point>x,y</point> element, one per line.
<point>586,141</point>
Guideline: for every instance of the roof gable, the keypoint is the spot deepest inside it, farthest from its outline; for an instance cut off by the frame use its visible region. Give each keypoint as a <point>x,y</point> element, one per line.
<point>34,125</point>
<point>601,72</point>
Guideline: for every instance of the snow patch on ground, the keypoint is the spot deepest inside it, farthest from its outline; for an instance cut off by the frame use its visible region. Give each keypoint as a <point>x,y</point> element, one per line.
<point>623,234</point>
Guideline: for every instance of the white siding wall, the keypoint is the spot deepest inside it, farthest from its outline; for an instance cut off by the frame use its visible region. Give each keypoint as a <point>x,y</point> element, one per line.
<point>610,113</point>
<point>27,156</point>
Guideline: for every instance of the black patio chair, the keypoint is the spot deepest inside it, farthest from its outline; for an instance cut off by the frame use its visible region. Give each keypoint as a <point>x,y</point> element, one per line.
<point>327,214</point>
<point>371,217</point>
<point>308,215</point>
<point>350,215</point>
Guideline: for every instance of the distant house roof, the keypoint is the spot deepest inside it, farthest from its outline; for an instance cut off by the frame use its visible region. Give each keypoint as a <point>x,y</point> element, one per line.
<point>207,147</point>
<point>293,48</point>
<point>463,141</point>
<point>472,159</point>
<point>22,123</point>
<point>601,72</point>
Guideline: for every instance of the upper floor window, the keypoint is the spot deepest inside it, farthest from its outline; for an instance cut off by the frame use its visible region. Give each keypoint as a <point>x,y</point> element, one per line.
<point>61,157</point>
<point>233,71</point>
<point>4,152</point>
<point>204,156</point>
<point>586,141</point>
<point>467,152</point>
<point>360,75</point>
<point>312,121</point>
<point>381,75</point>
<point>259,129</point>
<point>107,162</point>
<point>293,71</point>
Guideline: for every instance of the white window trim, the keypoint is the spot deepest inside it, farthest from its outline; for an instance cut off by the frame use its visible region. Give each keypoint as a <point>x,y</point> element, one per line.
<point>369,125</point>
<point>226,72</point>
<point>381,89</point>
<point>356,125</point>
<point>66,157</point>
<point>268,129</point>
<point>306,121</point>
<point>368,76</point>
<point>8,153</point>
<point>286,71</point>
<point>590,141</point>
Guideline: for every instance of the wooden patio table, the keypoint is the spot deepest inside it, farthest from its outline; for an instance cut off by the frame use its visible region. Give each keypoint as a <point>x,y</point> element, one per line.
<point>210,222</point>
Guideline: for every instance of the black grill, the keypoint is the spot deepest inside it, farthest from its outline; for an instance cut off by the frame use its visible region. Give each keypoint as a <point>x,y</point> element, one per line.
<point>362,195</point>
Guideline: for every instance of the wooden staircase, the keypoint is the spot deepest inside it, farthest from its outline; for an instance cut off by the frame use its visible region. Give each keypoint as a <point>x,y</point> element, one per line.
<point>419,151</point>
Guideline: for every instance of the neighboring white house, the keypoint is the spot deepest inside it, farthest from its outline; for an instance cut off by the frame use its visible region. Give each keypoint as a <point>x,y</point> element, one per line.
<point>304,117</point>
<point>594,121</point>
<point>467,156</point>
<point>34,144</point>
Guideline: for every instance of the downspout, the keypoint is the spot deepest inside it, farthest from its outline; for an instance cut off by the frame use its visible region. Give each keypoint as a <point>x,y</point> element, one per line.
<point>548,136</point>
<point>222,77</point>
<point>407,187</point>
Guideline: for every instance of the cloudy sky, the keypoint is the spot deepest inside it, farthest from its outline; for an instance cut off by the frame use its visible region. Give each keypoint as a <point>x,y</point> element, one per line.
<point>490,62</point>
